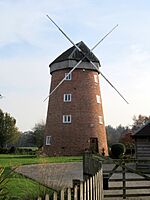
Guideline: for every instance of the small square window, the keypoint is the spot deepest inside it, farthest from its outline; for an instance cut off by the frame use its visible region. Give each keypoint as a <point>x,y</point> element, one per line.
<point>66,119</point>
<point>68,76</point>
<point>67,97</point>
<point>48,140</point>
<point>95,78</point>
<point>98,99</point>
<point>100,119</point>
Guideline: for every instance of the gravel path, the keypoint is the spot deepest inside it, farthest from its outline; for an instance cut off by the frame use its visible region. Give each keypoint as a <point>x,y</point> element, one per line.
<point>53,175</point>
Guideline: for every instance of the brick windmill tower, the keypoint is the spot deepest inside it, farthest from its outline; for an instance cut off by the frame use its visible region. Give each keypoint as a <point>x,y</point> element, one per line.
<point>75,118</point>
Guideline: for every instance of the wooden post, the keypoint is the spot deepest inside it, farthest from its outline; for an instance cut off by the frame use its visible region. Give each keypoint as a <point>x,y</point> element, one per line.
<point>96,187</point>
<point>88,190</point>
<point>101,185</point>
<point>91,189</point>
<point>62,194</point>
<point>55,196</point>
<point>124,179</point>
<point>81,190</point>
<point>84,189</point>
<point>69,193</point>
<point>47,197</point>
<point>75,192</point>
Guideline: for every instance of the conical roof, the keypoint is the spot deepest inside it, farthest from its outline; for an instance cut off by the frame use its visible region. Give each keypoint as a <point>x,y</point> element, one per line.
<point>74,54</point>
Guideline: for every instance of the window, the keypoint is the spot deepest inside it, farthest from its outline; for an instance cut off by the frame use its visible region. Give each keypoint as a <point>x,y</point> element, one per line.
<point>67,119</point>
<point>68,76</point>
<point>100,119</point>
<point>48,140</point>
<point>98,99</point>
<point>67,97</point>
<point>95,78</point>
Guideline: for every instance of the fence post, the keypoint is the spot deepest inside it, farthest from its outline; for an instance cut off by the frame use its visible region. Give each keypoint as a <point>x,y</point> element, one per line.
<point>88,190</point>
<point>91,189</point>
<point>75,192</point>
<point>124,179</point>
<point>55,196</point>
<point>84,189</point>
<point>91,165</point>
<point>62,194</point>
<point>81,190</point>
<point>47,197</point>
<point>101,184</point>
<point>69,194</point>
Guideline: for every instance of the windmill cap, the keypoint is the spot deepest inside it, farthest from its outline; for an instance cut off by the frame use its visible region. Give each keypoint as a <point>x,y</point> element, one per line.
<point>73,54</point>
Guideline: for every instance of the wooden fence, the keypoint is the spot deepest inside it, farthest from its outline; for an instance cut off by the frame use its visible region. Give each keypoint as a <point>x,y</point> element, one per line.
<point>91,189</point>
<point>128,178</point>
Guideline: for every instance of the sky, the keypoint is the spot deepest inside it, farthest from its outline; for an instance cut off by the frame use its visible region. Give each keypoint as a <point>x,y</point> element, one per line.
<point>29,42</point>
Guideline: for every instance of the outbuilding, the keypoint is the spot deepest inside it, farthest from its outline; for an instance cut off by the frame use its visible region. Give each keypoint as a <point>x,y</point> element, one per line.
<point>142,142</point>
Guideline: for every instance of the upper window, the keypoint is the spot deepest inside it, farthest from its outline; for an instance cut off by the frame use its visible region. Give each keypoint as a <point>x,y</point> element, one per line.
<point>95,78</point>
<point>68,76</point>
<point>67,119</point>
<point>67,97</point>
<point>98,99</point>
<point>100,119</point>
<point>48,140</point>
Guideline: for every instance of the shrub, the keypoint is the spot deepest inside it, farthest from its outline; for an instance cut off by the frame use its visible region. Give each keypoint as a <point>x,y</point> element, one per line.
<point>12,149</point>
<point>118,150</point>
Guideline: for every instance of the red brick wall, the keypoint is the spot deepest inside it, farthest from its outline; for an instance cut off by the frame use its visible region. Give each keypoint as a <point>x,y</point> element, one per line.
<point>73,139</point>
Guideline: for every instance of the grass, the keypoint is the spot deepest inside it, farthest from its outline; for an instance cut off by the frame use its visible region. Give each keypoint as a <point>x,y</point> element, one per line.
<point>21,188</point>
<point>8,160</point>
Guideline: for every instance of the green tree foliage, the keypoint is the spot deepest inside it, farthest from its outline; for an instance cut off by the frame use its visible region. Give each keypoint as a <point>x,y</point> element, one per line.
<point>38,134</point>
<point>114,134</point>
<point>8,131</point>
<point>34,138</point>
<point>139,121</point>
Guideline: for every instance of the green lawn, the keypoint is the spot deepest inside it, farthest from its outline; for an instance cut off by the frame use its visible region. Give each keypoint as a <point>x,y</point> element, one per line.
<point>21,188</point>
<point>8,160</point>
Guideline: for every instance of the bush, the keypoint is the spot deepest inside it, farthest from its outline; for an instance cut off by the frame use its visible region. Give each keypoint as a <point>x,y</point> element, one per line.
<point>12,150</point>
<point>4,150</point>
<point>118,150</point>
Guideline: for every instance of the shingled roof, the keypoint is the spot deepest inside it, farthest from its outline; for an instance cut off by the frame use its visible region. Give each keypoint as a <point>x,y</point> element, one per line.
<point>74,54</point>
<point>143,131</point>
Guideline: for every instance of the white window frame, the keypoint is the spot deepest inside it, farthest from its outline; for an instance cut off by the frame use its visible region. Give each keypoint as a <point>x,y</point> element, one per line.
<point>98,99</point>
<point>68,77</point>
<point>96,78</point>
<point>66,119</point>
<point>48,140</point>
<point>100,119</point>
<point>67,97</point>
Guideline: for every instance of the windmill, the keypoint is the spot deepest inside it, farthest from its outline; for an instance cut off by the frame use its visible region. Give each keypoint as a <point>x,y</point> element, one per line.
<point>75,119</point>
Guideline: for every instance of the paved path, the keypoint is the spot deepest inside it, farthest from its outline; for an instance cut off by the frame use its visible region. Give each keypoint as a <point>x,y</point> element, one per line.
<point>53,175</point>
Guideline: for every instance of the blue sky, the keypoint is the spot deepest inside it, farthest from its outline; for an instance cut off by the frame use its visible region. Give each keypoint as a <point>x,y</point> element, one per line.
<point>29,42</point>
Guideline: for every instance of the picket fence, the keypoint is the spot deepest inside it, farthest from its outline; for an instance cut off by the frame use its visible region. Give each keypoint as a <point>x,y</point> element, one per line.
<point>90,189</point>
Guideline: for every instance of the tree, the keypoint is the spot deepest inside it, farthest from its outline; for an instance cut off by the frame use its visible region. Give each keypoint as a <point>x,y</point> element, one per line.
<point>139,121</point>
<point>38,134</point>
<point>8,131</point>
<point>114,134</point>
